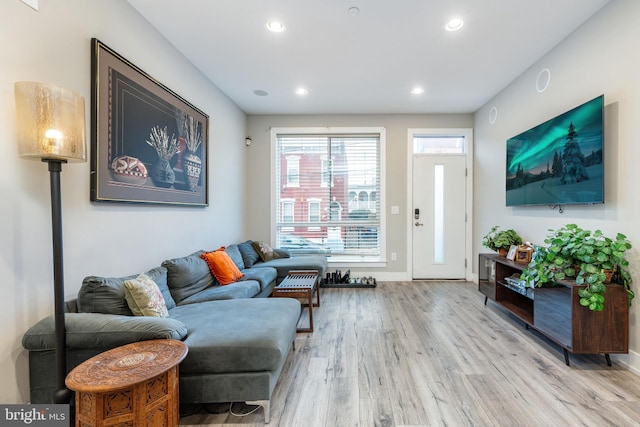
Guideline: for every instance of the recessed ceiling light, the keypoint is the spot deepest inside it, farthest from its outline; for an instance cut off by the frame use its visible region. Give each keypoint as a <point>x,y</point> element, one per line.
<point>301,91</point>
<point>454,25</point>
<point>354,11</point>
<point>260,92</point>
<point>417,91</point>
<point>275,26</point>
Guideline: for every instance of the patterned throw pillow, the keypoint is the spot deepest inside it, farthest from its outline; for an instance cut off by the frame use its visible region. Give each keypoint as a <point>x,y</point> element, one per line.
<point>222,266</point>
<point>265,251</point>
<point>144,297</point>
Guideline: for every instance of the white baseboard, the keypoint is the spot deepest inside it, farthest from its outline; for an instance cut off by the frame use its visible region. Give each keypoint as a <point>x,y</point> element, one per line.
<point>398,276</point>
<point>630,361</point>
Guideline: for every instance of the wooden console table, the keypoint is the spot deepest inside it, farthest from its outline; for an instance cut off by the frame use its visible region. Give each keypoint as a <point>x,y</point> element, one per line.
<point>556,311</point>
<point>300,284</point>
<point>133,385</point>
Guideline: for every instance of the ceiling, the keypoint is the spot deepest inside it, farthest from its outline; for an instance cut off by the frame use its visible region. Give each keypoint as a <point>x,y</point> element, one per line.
<point>368,62</point>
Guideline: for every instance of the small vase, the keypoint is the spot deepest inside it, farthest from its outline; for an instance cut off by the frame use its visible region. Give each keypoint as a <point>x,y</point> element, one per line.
<point>163,174</point>
<point>192,169</point>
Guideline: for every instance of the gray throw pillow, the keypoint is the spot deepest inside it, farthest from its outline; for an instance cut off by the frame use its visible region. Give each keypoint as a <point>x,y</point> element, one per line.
<point>187,276</point>
<point>249,254</point>
<point>107,294</point>
<point>234,252</point>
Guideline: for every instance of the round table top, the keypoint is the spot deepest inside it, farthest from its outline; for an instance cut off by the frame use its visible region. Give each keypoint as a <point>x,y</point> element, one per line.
<point>125,366</point>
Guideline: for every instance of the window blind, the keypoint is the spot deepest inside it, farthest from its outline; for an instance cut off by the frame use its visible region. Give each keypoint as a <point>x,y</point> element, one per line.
<point>328,195</point>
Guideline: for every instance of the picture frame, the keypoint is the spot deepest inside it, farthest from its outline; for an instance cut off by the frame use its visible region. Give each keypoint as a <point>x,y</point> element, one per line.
<point>523,254</point>
<point>511,255</point>
<point>148,144</point>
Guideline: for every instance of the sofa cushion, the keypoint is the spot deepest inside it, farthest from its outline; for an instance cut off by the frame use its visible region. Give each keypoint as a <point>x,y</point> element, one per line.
<point>222,266</point>
<point>264,275</point>
<point>282,253</point>
<point>144,297</point>
<point>223,336</point>
<point>242,289</point>
<point>236,256</point>
<point>249,254</point>
<point>265,251</point>
<point>107,294</point>
<point>95,330</point>
<point>187,276</point>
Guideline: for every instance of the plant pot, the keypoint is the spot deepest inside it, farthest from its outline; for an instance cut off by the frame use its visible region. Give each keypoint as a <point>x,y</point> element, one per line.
<point>577,268</point>
<point>608,274</point>
<point>502,252</point>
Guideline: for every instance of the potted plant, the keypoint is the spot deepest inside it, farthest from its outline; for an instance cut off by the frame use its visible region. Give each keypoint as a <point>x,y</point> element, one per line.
<point>589,256</point>
<point>501,240</point>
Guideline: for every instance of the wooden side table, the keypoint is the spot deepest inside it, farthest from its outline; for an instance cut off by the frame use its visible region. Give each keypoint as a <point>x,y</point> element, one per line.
<point>132,385</point>
<point>300,284</point>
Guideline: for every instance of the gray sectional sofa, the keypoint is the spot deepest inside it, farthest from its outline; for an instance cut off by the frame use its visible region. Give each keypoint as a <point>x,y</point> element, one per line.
<point>238,340</point>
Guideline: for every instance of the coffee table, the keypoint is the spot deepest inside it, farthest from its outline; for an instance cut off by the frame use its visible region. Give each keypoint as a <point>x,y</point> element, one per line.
<point>300,284</point>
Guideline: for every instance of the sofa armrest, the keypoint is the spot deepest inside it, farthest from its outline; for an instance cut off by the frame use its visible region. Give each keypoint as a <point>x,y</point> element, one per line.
<point>103,331</point>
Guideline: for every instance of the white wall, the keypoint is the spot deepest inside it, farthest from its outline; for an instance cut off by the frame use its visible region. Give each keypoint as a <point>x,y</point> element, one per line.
<point>601,57</point>
<point>53,45</point>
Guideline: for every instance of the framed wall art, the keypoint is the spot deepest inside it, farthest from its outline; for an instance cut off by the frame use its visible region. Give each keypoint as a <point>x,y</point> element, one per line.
<point>149,145</point>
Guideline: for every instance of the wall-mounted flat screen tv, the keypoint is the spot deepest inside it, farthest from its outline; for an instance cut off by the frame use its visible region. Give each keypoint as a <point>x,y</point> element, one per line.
<point>559,162</point>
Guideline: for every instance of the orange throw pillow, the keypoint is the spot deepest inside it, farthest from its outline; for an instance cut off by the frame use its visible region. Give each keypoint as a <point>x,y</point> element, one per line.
<point>222,266</point>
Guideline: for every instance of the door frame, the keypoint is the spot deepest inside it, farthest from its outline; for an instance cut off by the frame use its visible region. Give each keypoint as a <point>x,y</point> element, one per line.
<point>468,134</point>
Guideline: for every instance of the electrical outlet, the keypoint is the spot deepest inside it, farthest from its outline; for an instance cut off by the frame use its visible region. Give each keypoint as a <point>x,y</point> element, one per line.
<point>394,256</point>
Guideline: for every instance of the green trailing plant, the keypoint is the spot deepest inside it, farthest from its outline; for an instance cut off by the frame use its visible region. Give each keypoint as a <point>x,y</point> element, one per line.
<point>587,255</point>
<point>497,239</point>
<point>547,266</point>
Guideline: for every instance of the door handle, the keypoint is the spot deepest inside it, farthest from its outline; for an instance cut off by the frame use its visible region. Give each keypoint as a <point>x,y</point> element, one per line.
<point>419,224</point>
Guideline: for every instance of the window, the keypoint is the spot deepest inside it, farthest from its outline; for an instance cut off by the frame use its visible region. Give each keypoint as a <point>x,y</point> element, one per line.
<point>314,211</point>
<point>337,191</point>
<point>287,211</point>
<point>327,177</point>
<point>439,144</point>
<point>293,171</point>
<point>314,214</point>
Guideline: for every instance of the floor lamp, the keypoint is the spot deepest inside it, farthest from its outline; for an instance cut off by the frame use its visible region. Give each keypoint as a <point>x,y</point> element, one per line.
<point>51,128</point>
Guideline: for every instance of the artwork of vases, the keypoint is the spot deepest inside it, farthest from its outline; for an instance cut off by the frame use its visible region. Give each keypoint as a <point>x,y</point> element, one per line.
<point>162,174</point>
<point>192,165</point>
<point>191,130</point>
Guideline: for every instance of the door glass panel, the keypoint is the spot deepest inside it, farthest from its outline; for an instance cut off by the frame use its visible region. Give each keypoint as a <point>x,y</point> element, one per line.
<point>438,214</point>
<point>439,144</point>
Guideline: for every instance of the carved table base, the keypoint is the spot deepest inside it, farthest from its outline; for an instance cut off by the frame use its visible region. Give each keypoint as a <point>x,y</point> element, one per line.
<point>132,385</point>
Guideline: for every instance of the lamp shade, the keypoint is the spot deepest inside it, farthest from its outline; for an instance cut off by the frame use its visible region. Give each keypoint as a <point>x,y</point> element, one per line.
<point>51,122</point>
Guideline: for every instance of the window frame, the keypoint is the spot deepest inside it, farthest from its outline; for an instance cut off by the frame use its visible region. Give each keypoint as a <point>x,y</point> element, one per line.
<point>342,260</point>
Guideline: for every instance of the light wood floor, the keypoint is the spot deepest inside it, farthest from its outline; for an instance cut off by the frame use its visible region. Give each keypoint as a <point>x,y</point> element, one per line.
<point>431,354</point>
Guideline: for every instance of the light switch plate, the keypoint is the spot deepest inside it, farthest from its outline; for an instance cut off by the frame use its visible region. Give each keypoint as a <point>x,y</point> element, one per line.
<point>31,3</point>
<point>395,210</point>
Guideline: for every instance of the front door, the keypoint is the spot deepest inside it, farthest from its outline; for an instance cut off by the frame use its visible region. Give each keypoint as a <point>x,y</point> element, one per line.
<point>439,216</point>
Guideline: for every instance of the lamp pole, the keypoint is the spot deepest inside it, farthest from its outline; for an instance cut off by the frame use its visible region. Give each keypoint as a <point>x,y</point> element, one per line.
<point>51,128</point>
<point>62,394</point>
